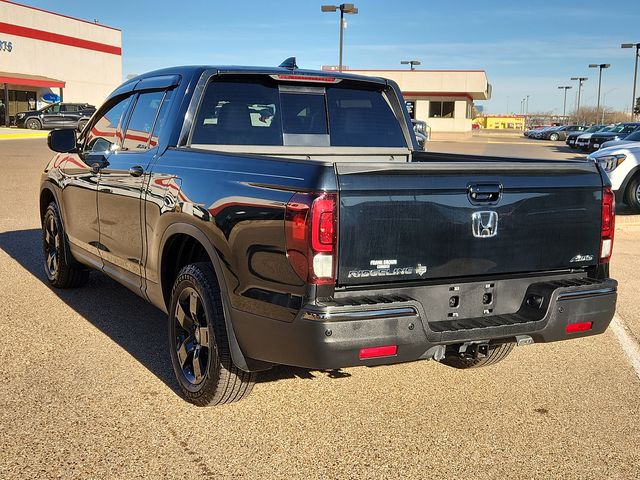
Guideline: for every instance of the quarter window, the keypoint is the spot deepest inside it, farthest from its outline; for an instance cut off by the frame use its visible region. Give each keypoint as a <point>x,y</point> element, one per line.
<point>441,109</point>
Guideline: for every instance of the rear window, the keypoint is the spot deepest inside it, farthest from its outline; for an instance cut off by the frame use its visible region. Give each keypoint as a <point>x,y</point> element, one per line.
<point>255,111</point>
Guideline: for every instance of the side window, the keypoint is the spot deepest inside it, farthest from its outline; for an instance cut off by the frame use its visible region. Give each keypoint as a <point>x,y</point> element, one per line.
<point>102,136</point>
<point>142,120</point>
<point>161,120</point>
<point>52,109</point>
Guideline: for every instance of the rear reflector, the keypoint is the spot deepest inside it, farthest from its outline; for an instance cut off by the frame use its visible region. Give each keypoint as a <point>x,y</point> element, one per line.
<point>579,327</point>
<point>376,352</point>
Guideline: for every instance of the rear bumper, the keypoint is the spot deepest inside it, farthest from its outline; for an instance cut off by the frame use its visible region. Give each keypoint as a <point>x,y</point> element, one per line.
<point>332,337</point>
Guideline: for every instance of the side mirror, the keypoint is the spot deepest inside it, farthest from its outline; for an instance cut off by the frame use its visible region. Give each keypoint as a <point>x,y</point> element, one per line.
<point>62,140</point>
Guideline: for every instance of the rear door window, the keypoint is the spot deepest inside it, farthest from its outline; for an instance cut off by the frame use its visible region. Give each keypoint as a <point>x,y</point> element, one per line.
<point>142,119</point>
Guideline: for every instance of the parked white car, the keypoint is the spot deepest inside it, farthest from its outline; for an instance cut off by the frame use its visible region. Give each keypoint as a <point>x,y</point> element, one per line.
<point>582,142</point>
<point>622,164</point>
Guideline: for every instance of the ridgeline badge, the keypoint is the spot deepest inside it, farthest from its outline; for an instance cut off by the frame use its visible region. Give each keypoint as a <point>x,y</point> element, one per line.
<point>384,269</point>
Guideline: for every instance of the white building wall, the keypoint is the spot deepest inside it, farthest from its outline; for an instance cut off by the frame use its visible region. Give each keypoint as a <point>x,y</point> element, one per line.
<point>90,75</point>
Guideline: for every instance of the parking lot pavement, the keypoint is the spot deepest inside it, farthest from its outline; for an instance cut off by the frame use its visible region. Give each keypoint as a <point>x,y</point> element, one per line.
<point>87,390</point>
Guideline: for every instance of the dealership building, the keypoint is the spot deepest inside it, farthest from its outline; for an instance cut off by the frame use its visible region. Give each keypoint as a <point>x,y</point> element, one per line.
<point>442,98</point>
<point>47,57</point>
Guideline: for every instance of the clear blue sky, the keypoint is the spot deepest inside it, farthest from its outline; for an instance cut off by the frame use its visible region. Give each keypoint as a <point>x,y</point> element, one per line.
<point>526,47</point>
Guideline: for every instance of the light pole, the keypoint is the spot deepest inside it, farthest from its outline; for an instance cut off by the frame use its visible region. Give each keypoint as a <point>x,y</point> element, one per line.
<point>412,63</point>
<point>635,73</point>
<point>580,80</point>
<point>347,8</point>
<point>600,66</point>
<point>564,104</point>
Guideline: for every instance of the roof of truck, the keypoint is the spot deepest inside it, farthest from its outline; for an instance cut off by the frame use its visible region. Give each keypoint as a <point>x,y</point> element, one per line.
<point>189,70</point>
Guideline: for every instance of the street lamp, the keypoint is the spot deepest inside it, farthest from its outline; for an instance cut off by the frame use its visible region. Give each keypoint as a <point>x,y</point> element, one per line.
<point>347,8</point>
<point>412,63</point>
<point>564,105</point>
<point>635,72</point>
<point>580,80</point>
<point>601,66</point>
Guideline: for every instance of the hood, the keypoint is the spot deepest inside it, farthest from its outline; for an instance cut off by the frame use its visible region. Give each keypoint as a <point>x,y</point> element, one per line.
<point>631,147</point>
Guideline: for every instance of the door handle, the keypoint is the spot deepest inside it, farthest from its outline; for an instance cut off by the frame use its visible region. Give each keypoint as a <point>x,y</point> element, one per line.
<point>484,193</point>
<point>136,171</point>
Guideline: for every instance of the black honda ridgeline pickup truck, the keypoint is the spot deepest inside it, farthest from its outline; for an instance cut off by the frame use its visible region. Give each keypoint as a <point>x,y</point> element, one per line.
<point>285,216</point>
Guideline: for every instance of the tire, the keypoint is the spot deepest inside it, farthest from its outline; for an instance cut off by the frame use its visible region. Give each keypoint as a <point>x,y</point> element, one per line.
<point>632,194</point>
<point>33,124</point>
<point>554,137</point>
<point>59,266</point>
<point>496,353</point>
<point>198,343</point>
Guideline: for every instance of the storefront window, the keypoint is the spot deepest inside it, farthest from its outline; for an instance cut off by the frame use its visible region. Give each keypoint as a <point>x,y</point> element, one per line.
<point>441,109</point>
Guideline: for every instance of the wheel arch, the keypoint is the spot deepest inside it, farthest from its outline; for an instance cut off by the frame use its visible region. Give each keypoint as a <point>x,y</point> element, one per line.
<point>47,195</point>
<point>633,173</point>
<point>179,238</point>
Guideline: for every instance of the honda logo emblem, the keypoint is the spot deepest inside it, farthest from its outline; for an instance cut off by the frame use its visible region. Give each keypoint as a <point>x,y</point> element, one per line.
<point>484,224</point>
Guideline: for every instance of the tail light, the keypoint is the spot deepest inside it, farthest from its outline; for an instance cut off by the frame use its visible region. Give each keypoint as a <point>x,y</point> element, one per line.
<point>311,232</point>
<point>608,224</point>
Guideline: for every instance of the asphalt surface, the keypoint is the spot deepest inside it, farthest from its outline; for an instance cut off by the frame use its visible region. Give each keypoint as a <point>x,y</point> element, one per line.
<point>87,390</point>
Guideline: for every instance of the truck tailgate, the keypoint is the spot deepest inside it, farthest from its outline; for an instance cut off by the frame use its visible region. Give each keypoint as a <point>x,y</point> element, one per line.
<point>462,217</point>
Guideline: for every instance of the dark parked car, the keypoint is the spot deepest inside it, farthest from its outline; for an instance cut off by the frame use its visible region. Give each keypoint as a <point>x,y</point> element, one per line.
<point>573,136</point>
<point>560,133</point>
<point>619,132</point>
<point>58,115</point>
<point>286,216</point>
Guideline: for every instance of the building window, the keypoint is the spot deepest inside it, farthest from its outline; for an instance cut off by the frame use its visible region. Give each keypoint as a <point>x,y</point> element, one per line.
<point>441,109</point>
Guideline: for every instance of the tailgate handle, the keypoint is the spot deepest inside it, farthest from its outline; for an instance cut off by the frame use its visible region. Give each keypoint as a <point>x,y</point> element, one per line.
<point>484,193</point>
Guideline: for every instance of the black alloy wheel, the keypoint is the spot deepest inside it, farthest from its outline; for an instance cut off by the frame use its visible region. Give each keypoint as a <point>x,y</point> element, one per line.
<point>191,336</point>
<point>198,342</point>
<point>51,245</point>
<point>61,270</point>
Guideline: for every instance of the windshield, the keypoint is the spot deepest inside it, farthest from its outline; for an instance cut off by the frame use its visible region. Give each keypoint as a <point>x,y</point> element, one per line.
<point>634,137</point>
<point>258,111</point>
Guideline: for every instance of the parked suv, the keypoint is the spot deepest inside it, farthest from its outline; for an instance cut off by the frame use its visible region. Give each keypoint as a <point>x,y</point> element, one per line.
<point>622,164</point>
<point>619,132</point>
<point>58,115</point>
<point>572,137</point>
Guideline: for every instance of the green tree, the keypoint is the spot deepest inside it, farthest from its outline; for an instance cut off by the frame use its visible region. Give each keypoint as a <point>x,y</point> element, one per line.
<point>636,109</point>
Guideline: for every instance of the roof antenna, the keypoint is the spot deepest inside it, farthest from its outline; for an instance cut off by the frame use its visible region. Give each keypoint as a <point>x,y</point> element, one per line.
<point>289,63</point>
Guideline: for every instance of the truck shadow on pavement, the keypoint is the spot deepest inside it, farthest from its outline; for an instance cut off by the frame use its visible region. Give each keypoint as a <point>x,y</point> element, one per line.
<point>108,306</point>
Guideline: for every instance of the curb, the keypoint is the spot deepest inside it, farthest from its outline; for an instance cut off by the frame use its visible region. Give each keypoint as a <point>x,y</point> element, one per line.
<point>16,136</point>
